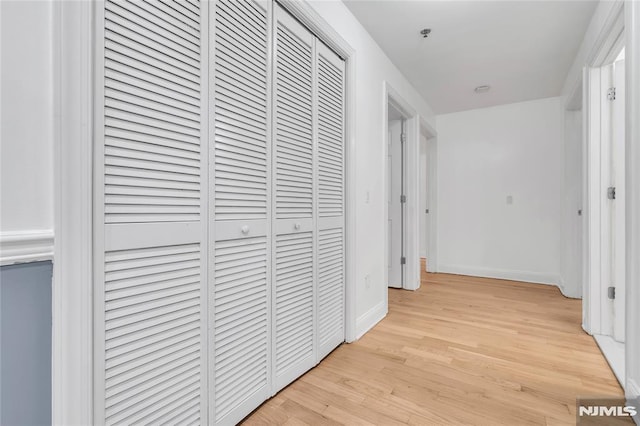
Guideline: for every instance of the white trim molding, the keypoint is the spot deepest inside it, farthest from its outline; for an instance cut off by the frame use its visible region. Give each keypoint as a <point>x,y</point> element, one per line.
<point>632,150</point>
<point>607,23</point>
<point>26,246</point>
<point>72,340</point>
<point>370,319</point>
<point>502,274</point>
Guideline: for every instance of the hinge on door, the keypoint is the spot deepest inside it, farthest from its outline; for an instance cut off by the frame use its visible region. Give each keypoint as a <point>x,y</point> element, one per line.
<point>403,137</point>
<point>427,211</point>
<point>611,94</point>
<point>611,192</point>
<point>611,293</point>
<point>403,260</point>
<point>403,198</point>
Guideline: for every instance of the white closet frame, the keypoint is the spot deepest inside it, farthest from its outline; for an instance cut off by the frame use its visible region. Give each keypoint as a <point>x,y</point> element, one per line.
<point>74,67</point>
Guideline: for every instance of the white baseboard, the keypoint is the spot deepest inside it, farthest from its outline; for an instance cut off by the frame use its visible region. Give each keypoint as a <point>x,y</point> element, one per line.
<point>26,246</point>
<point>370,318</point>
<point>503,274</point>
<point>632,391</point>
<point>575,294</point>
<point>614,354</point>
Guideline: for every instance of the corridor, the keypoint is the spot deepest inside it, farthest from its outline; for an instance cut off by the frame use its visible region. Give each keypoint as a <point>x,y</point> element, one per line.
<point>458,350</point>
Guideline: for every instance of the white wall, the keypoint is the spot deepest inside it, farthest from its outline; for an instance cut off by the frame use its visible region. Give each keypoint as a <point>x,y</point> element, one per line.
<point>571,281</point>
<point>26,131</point>
<point>26,128</point>
<point>485,155</point>
<point>372,68</point>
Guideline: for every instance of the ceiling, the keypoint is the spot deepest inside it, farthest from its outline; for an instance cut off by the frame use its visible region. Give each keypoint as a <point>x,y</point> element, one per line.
<point>522,49</point>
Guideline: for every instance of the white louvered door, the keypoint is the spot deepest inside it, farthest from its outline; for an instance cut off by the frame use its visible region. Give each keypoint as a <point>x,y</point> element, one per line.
<point>219,208</point>
<point>293,188</point>
<point>330,200</point>
<point>241,175</point>
<point>150,246</point>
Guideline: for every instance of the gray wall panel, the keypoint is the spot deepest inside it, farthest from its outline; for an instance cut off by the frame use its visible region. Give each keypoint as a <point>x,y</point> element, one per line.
<point>25,344</point>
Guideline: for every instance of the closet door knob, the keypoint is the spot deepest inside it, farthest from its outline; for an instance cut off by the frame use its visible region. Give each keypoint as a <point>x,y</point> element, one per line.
<point>245,230</point>
<point>296,226</point>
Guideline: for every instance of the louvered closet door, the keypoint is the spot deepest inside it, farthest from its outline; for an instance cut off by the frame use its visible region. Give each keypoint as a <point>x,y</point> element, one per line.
<point>330,199</point>
<point>293,289</point>
<point>241,269</point>
<point>150,209</point>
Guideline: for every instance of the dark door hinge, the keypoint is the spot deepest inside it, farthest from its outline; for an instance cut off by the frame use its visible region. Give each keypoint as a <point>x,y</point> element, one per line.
<point>403,260</point>
<point>611,193</point>
<point>611,293</point>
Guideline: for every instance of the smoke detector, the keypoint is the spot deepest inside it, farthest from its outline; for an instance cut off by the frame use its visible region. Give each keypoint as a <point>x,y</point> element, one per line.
<point>425,32</point>
<point>482,89</point>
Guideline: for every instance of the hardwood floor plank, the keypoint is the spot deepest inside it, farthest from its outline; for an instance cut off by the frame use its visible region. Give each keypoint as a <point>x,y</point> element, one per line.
<point>460,350</point>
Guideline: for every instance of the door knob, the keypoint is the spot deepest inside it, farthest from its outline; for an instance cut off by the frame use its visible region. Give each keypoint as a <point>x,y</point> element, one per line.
<point>244,230</point>
<point>296,226</point>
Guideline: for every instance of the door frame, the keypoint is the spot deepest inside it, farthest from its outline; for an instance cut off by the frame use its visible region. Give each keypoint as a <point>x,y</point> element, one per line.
<point>74,46</point>
<point>632,211</point>
<point>625,16</point>
<point>412,170</point>
<point>600,213</point>
<point>72,316</point>
<point>593,233</point>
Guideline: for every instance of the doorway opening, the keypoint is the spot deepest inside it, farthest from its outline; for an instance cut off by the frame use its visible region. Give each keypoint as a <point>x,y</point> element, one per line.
<point>428,198</point>
<point>396,198</point>
<point>401,181</point>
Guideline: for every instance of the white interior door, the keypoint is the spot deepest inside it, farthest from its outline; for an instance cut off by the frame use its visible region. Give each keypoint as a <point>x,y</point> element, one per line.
<point>240,265</point>
<point>150,353</point>
<point>330,199</point>
<point>618,205</point>
<point>294,225</point>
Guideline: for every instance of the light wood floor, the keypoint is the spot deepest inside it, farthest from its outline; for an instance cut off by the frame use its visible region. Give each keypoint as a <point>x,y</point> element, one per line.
<point>460,350</point>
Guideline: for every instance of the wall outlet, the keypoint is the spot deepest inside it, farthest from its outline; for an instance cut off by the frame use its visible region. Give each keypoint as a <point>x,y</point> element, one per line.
<point>367,281</point>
